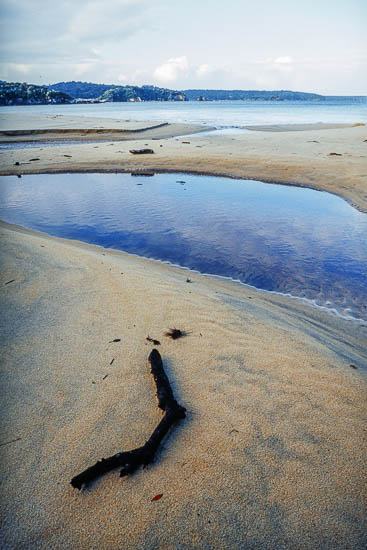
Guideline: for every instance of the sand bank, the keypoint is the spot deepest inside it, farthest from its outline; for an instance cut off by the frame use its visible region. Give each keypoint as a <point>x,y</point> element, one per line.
<point>18,128</point>
<point>300,127</point>
<point>270,455</point>
<point>333,160</point>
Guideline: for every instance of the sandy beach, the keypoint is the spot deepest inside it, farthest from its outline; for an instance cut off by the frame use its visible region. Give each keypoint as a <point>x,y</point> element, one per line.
<point>321,156</point>
<point>271,454</point>
<point>18,128</point>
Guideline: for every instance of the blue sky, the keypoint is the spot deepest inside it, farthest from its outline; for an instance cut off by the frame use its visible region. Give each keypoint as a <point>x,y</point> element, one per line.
<point>316,46</point>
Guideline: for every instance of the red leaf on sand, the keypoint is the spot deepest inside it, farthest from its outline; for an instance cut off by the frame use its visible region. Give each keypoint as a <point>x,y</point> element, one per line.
<point>157,497</point>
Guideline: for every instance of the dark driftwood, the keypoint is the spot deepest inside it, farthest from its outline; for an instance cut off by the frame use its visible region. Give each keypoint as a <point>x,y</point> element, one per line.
<point>131,460</point>
<point>142,151</point>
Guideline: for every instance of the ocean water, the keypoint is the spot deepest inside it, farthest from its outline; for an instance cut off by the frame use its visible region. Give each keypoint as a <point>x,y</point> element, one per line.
<point>221,114</point>
<point>305,243</point>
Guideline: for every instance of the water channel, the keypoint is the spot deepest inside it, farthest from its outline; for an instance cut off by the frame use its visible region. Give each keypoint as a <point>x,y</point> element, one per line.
<point>285,239</point>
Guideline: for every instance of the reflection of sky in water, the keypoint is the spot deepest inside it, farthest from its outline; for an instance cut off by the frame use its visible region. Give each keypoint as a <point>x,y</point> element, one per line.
<point>42,144</point>
<point>299,241</point>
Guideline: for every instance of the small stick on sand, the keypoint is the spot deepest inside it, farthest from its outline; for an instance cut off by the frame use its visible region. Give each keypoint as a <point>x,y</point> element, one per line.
<point>142,456</point>
<point>141,151</point>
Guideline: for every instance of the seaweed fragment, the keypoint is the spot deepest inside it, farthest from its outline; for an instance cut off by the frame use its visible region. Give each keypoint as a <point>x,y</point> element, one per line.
<point>176,333</point>
<point>155,342</point>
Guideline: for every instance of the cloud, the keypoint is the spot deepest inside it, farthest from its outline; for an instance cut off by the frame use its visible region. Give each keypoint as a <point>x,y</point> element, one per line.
<point>283,60</point>
<point>18,68</point>
<point>216,76</point>
<point>68,33</point>
<point>83,68</point>
<point>115,19</point>
<point>203,70</point>
<point>172,69</point>
<point>128,40</point>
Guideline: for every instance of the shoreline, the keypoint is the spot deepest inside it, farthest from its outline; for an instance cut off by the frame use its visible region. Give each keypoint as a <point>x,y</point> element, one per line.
<point>301,301</point>
<point>271,453</point>
<point>331,160</point>
<point>154,171</point>
<point>18,128</point>
<point>274,391</point>
<point>302,127</point>
<point>296,305</point>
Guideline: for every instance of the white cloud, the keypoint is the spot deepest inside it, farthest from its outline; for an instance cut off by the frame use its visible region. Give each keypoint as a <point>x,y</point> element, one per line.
<point>203,70</point>
<point>140,76</point>
<point>127,41</point>
<point>172,69</point>
<point>98,20</point>
<point>67,32</point>
<point>283,60</point>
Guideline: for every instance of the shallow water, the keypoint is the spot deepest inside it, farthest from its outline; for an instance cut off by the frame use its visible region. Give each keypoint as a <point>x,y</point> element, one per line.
<point>222,114</point>
<point>278,238</point>
<point>11,145</point>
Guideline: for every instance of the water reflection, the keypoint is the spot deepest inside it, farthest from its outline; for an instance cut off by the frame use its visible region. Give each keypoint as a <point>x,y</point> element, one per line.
<point>279,238</point>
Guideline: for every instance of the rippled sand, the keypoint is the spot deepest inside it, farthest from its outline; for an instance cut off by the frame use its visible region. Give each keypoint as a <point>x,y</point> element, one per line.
<point>271,452</point>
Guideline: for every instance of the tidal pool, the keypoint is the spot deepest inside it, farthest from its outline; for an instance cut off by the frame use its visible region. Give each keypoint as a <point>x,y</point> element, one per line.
<point>285,239</point>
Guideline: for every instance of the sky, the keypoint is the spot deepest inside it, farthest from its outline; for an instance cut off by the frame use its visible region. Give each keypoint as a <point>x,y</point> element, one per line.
<point>312,45</point>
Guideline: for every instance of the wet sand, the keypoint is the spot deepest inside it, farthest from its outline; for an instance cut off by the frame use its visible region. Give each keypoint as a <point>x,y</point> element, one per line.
<point>332,160</point>
<point>271,454</point>
<point>300,127</point>
<point>17,128</point>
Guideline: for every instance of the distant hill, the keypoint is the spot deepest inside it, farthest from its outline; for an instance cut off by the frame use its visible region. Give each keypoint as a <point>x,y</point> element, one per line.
<point>260,95</point>
<point>265,95</point>
<point>141,93</point>
<point>349,98</point>
<point>83,90</point>
<point>21,93</point>
<point>110,92</point>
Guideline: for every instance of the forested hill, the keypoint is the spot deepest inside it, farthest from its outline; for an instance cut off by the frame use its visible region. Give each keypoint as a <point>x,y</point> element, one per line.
<point>262,95</point>
<point>111,92</point>
<point>83,90</point>
<point>21,93</point>
<point>265,95</point>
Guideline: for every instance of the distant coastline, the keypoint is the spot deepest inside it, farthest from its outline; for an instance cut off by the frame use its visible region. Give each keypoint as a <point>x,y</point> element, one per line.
<point>22,93</point>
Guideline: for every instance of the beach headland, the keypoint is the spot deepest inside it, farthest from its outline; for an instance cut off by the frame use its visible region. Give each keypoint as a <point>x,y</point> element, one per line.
<point>271,452</point>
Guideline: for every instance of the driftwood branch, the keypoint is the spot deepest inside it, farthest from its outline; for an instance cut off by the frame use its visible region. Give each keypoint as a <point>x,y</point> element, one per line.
<point>131,460</point>
<point>142,151</point>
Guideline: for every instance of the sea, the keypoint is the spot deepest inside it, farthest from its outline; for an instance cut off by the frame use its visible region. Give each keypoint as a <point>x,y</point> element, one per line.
<point>225,116</point>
